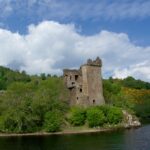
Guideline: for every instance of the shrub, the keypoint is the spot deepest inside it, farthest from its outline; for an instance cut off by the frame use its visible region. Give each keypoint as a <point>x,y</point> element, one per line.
<point>95,117</point>
<point>77,116</point>
<point>114,115</point>
<point>143,110</point>
<point>104,109</point>
<point>16,121</point>
<point>7,124</point>
<point>53,121</point>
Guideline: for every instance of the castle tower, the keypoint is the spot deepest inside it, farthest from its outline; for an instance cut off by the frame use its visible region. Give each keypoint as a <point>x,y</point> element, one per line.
<point>85,84</point>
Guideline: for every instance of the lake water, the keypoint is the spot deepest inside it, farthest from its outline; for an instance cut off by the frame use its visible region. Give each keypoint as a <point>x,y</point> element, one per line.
<point>133,139</point>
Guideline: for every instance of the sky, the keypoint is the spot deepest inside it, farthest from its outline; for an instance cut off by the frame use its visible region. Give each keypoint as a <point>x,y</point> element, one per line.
<point>48,35</point>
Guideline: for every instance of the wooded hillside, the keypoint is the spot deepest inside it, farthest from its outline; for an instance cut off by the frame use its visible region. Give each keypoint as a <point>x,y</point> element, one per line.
<point>36,103</point>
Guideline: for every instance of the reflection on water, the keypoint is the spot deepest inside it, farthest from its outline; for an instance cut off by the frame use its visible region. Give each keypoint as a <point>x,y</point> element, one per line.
<point>134,139</point>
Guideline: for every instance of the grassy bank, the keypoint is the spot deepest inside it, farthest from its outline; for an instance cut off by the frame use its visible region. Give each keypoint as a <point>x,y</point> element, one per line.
<point>71,130</point>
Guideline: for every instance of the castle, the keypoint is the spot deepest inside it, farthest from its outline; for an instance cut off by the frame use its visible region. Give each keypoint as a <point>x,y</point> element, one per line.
<point>85,84</point>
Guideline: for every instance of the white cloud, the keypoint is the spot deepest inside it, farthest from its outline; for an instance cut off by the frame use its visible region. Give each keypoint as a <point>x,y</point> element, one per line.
<point>139,71</point>
<point>50,46</point>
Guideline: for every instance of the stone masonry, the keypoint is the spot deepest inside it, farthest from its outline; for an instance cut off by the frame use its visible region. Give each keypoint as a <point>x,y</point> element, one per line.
<point>85,84</point>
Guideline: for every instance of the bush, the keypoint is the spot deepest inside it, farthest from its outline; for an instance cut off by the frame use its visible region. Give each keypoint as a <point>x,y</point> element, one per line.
<point>95,117</point>
<point>143,110</point>
<point>104,109</point>
<point>77,116</point>
<point>7,123</point>
<point>17,122</point>
<point>53,121</point>
<point>114,115</point>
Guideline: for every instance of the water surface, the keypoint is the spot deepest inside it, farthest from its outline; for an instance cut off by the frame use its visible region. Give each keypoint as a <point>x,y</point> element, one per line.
<point>133,139</point>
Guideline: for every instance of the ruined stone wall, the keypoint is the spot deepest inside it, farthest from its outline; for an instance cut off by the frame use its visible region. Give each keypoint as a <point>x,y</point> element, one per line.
<point>92,83</point>
<point>85,84</point>
<point>73,81</point>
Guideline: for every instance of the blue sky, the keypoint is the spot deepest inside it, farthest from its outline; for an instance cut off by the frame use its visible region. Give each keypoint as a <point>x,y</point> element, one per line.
<point>129,16</point>
<point>125,22</point>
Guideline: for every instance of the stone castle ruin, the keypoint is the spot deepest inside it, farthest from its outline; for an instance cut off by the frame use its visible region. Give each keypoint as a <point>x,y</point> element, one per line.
<point>85,84</point>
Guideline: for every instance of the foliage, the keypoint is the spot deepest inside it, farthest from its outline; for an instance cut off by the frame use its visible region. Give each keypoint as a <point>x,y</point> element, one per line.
<point>130,82</point>
<point>143,112</point>
<point>17,121</point>
<point>53,121</point>
<point>143,109</point>
<point>137,96</point>
<point>95,117</point>
<point>35,103</point>
<point>8,76</point>
<point>43,76</point>
<point>114,115</point>
<point>118,95</point>
<point>77,116</point>
<point>114,94</point>
<point>24,105</point>
<point>141,100</point>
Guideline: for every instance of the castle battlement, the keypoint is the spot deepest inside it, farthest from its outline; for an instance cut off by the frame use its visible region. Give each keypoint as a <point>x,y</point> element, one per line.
<point>96,62</point>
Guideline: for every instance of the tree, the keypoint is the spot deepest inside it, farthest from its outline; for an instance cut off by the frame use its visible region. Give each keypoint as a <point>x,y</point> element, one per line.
<point>43,76</point>
<point>95,117</point>
<point>114,115</point>
<point>77,116</point>
<point>53,121</point>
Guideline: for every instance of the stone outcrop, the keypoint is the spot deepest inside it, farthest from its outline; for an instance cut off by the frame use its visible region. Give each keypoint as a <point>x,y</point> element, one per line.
<point>85,84</point>
<point>130,120</point>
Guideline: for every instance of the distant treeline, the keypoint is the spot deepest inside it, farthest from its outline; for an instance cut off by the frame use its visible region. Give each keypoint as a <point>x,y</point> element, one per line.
<point>130,82</point>
<point>8,76</point>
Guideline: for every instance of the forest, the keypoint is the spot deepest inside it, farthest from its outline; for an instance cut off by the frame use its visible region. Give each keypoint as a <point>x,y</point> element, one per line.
<point>32,103</point>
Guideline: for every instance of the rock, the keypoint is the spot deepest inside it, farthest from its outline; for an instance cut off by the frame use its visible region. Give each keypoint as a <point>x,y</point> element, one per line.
<point>130,120</point>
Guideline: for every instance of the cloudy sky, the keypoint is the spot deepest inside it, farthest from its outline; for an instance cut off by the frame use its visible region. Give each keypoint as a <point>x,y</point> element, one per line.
<point>48,35</point>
